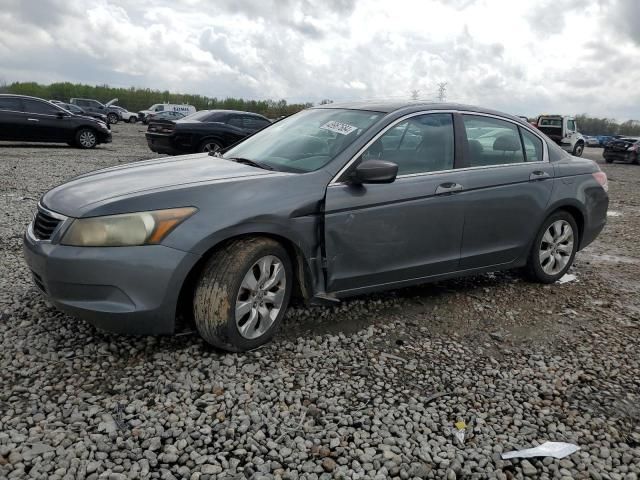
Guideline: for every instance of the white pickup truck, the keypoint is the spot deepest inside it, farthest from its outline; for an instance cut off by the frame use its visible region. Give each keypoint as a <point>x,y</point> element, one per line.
<point>563,130</point>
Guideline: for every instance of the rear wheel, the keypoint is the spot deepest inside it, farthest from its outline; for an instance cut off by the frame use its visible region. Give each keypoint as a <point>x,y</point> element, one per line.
<point>209,146</point>
<point>133,119</point>
<point>242,294</point>
<point>112,118</point>
<point>554,248</point>
<point>86,138</point>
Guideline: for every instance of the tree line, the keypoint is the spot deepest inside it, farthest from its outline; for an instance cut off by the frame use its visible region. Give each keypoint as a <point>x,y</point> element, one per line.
<point>136,99</point>
<point>606,126</point>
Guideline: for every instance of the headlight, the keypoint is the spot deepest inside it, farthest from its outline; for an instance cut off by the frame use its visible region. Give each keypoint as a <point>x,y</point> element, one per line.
<point>128,229</point>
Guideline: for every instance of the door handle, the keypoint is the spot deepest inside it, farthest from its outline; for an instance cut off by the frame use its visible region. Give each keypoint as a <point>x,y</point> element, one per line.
<point>449,187</point>
<point>538,175</point>
<point>33,119</point>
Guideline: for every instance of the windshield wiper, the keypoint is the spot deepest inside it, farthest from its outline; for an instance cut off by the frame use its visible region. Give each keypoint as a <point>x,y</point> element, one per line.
<point>253,163</point>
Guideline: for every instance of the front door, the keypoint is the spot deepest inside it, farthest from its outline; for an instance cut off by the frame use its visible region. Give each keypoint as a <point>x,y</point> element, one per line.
<point>43,122</point>
<point>508,185</point>
<point>381,234</point>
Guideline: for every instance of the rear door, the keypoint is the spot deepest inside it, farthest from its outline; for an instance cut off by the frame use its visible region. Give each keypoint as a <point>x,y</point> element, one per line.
<point>12,119</point>
<point>383,234</point>
<point>508,183</point>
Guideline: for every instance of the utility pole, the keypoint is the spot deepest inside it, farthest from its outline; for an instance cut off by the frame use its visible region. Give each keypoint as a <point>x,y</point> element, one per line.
<point>442,91</point>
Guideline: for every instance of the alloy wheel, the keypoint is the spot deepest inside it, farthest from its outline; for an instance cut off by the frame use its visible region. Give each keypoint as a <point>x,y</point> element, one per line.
<point>210,147</point>
<point>260,297</point>
<point>87,139</point>
<point>556,247</point>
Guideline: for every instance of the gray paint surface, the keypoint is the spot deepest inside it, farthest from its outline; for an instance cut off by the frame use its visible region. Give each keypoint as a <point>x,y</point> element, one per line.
<point>348,238</point>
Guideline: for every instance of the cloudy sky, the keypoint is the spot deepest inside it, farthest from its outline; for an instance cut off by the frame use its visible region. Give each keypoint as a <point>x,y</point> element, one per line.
<point>524,57</point>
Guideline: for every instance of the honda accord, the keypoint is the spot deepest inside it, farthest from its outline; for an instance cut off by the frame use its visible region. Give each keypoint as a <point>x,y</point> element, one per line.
<point>334,201</point>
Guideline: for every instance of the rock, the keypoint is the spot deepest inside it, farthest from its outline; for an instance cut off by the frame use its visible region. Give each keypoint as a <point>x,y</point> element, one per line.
<point>328,464</point>
<point>528,470</point>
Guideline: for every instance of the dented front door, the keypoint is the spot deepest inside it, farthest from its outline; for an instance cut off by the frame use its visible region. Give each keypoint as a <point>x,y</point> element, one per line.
<point>388,233</point>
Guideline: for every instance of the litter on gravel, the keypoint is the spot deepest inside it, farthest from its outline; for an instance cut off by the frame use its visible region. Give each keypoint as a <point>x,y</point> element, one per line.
<point>614,213</point>
<point>566,278</point>
<point>547,449</point>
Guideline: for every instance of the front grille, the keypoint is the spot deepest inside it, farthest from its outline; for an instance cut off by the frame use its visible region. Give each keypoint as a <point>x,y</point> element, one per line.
<point>44,225</point>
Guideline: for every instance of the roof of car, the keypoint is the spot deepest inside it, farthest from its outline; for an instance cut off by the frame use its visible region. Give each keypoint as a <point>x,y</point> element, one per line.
<point>409,106</point>
<point>240,112</point>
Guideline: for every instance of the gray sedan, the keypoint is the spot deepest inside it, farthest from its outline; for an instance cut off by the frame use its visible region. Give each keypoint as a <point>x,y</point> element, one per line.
<point>334,201</point>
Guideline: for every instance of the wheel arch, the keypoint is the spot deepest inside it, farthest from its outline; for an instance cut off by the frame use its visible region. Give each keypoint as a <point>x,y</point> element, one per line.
<point>303,280</point>
<point>576,211</point>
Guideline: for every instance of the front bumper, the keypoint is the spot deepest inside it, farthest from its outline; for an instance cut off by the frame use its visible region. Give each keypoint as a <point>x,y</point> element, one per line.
<point>105,137</point>
<point>623,156</point>
<point>128,290</point>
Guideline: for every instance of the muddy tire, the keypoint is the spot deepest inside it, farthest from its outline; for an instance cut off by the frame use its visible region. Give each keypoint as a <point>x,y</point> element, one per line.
<point>554,248</point>
<point>242,294</point>
<point>578,149</point>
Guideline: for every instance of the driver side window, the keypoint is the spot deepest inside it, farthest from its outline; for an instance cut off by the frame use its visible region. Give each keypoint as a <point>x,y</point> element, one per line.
<point>419,144</point>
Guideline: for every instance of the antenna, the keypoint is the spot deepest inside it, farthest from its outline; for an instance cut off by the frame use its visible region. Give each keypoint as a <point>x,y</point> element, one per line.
<point>442,91</point>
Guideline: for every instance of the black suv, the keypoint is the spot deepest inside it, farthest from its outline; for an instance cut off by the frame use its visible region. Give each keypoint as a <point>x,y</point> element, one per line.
<point>32,119</point>
<point>204,131</point>
<point>94,106</point>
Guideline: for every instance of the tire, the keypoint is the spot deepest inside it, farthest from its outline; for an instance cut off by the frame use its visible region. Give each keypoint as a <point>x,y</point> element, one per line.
<point>86,138</point>
<point>208,146</point>
<point>228,313</point>
<point>578,149</point>
<point>635,160</point>
<point>112,118</point>
<point>608,160</point>
<point>544,268</point>
<point>133,119</point>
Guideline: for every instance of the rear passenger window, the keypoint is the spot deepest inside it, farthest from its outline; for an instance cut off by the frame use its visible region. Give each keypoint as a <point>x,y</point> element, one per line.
<point>418,145</point>
<point>532,146</point>
<point>254,123</point>
<point>492,141</point>
<point>235,121</point>
<point>13,104</point>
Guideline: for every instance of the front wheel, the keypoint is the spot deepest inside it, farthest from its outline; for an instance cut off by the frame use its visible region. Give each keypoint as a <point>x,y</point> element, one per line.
<point>86,138</point>
<point>209,146</point>
<point>578,149</point>
<point>112,118</point>
<point>133,119</point>
<point>554,248</point>
<point>242,294</point>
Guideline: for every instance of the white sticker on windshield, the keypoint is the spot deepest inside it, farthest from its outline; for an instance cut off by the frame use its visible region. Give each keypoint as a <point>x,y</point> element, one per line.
<point>339,127</point>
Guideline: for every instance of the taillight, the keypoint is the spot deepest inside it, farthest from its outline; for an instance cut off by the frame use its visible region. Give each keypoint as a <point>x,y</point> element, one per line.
<point>601,178</point>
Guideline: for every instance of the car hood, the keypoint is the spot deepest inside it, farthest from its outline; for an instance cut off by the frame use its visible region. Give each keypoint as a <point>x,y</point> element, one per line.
<point>78,197</point>
<point>111,102</point>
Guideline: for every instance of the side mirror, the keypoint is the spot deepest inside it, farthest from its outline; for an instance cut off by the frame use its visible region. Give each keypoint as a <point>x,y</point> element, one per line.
<point>375,171</point>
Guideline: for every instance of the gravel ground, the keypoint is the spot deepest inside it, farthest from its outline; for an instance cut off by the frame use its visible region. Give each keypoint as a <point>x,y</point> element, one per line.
<point>370,388</point>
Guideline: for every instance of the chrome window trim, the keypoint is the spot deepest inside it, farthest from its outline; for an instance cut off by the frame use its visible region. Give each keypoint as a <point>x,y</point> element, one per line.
<point>545,154</point>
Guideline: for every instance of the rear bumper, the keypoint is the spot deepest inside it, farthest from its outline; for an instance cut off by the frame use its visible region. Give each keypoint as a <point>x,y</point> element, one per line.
<point>127,290</point>
<point>165,144</point>
<point>597,204</point>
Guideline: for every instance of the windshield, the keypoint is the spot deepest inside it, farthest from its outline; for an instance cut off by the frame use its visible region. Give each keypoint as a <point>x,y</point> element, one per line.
<point>305,141</point>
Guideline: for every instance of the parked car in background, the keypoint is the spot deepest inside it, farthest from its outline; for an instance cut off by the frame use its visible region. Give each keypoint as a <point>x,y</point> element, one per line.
<point>80,111</point>
<point>167,115</point>
<point>124,114</point>
<point>325,204</point>
<point>564,131</point>
<point>31,119</point>
<point>94,106</point>
<point>204,131</point>
<point>591,141</point>
<point>603,139</point>
<point>623,149</point>
<point>166,107</point>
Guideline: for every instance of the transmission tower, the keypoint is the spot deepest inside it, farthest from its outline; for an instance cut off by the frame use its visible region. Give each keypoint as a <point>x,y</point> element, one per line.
<point>442,91</point>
